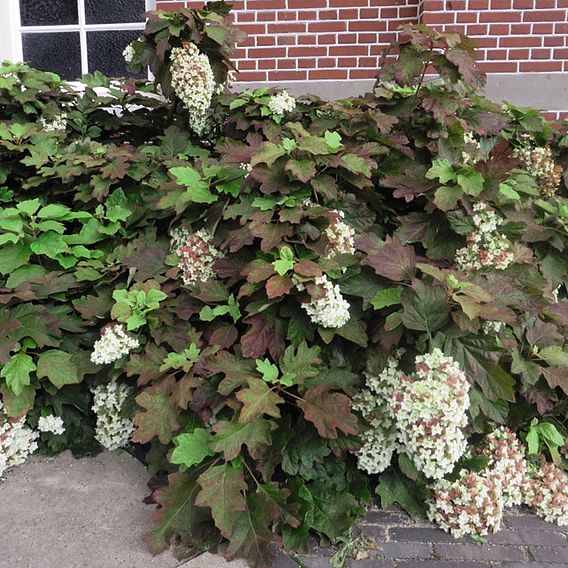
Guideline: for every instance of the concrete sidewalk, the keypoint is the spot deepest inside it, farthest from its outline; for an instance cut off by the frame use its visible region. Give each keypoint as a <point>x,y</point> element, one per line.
<point>88,513</point>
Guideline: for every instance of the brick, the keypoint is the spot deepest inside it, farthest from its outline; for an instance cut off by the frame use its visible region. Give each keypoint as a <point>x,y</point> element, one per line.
<point>286,28</point>
<point>553,41</point>
<point>557,554</point>
<point>251,76</point>
<point>441,564</point>
<point>307,4</point>
<point>501,4</point>
<point>540,66</point>
<point>307,51</point>
<point>327,26</point>
<point>306,63</point>
<point>542,28</point>
<point>519,54</point>
<point>266,4</point>
<point>287,75</point>
<point>362,73</point>
<point>540,53</point>
<point>500,16</point>
<point>523,4</point>
<point>561,54</point>
<point>479,552</point>
<point>529,537</point>
<point>267,52</point>
<point>291,15</point>
<point>525,41</point>
<point>327,74</point>
<point>418,534</point>
<point>531,564</point>
<point>531,522</point>
<point>405,550</point>
<point>544,16</point>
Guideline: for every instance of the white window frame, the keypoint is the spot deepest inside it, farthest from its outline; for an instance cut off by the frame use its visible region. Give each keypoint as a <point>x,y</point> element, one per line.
<point>11,30</point>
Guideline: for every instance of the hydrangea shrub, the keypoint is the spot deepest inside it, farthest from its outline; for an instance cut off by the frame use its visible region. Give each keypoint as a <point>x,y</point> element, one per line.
<point>290,305</point>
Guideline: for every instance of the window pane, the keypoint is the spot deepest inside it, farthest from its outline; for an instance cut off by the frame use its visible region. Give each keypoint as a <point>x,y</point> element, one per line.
<point>48,13</point>
<point>58,52</point>
<point>114,11</point>
<point>105,52</point>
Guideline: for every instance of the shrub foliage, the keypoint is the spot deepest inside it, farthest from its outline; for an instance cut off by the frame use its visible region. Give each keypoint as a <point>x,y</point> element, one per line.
<point>244,382</point>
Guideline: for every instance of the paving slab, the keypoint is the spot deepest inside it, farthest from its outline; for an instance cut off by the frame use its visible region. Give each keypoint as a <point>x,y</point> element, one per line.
<point>67,513</point>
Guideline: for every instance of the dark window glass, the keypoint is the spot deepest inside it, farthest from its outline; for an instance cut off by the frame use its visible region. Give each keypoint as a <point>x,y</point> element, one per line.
<point>59,52</point>
<point>114,11</point>
<point>48,12</point>
<point>105,52</point>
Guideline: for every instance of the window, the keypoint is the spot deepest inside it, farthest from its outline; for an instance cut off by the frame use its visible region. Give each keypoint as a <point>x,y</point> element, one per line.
<point>71,37</point>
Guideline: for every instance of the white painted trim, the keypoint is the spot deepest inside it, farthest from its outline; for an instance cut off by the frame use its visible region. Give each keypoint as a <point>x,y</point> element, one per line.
<point>11,30</point>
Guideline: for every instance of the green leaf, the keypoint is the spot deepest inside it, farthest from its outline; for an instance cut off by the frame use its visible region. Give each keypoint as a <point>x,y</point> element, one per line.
<point>12,257</point>
<point>425,307</point>
<point>53,211</point>
<point>258,399</point>
<point>447,197</point>
<point>441,169</point>
<point>385,298</point>
<point>304,170</point>
<point>49,244</point>
<point>191,449</point>
<point>231,436</point>
<point>533,441</point>
<point>333,139</point>
<point>268,370</point>
<point>58,367</point>
<point>18,405</point>
<point>471,182</point>
<point>29,206</point>
<point>197,188</point>
<point>268,154</point>
<point>554,355</point>
<point>507,191</point>
<point>395,488</point>
<point>184,360</point>
<point>17,372</point>
<point>299,364</point>
<point>222,489</point>
<point>356,164</point>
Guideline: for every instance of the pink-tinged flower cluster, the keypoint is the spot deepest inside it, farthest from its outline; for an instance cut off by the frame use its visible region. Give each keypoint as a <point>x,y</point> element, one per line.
<point>332,309</point>
<point>196,255</point>
<point>340,235</point>
<point>486,247</point>
<point>194,83</point>
<point>471,504</point>
<point>506,463</point>
<point>430,411</point>
<point>548,494</point>
<point>539,163</point>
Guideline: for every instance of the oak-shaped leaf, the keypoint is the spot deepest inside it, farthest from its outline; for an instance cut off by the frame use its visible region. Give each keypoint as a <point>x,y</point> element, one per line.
<point>17,372</point>
<point>252,536</point>
<point>58,367</point>
<point>258,399</point>
<point>231,436</point>
<point>237,370</point>
<point>176,512</point>
<point>396,488</point>
<point>191,448</point>
<point>265,334</point>
<point>277,286</point>
<point>222,488</point>
<point>328,411</point>
<point>425,307</point>
<point>394,260</point>
<point>146,365</point>
<point>300,363</point>
<point>271,234</point>
<point>159,418</point>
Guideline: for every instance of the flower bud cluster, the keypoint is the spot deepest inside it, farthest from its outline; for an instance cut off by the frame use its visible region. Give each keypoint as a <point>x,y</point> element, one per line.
<point>472,152</point>
<point>128,53</point>
<point>332,310</point>
<point>17,441</point>
<point>492,327</point>
<point>548,494</point>
<point>196,255</point>
<point>194,84</point>
<point>113,430</point>
<point>340,235</point>
<point>506,463</point>
<point>51,423</point>
<point>430,409</point>
<point>486,247</point>
<point>472,504</point>
<point>113,344</point>
<point>540,164</point>
<point>282,103</point>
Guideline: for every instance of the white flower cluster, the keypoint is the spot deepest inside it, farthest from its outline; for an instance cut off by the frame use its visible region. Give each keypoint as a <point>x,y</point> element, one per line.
<point>540,164</point>
<point>341,236</point>
<point>492,327</point>
<point>430,412</point>
<point>196,255</point>
<point>470,505</point>
<point>113,430</point>
<point>379,440</point>
<point>17,441</point>
<point>194,83</point>
<point>486,247</point>
<point>473,152</point>
<point>506,464</point>
<point>113,344</point>
<point>548,494</point>
<point>58,124</point>
<point>128,53</point>
<point>51,423</point>
<point>282,103</point>
<point>332,310</point>
<point>246,166</point>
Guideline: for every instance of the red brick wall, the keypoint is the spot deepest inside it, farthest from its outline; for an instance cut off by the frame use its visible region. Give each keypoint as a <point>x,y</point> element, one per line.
<point>513,36</point>
<point>306,40</point>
